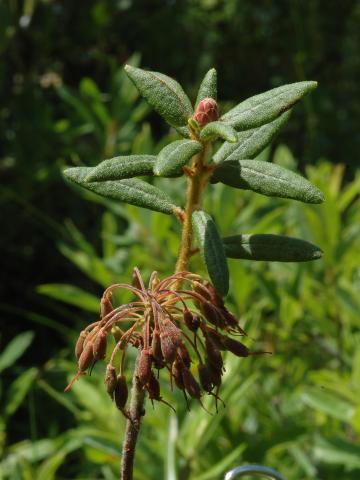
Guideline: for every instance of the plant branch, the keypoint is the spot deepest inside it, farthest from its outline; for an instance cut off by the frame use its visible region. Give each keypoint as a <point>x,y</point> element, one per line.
<point>133,423</point>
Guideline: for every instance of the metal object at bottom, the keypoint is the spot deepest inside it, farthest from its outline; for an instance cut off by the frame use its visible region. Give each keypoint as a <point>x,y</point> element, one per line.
<point>256,471</point>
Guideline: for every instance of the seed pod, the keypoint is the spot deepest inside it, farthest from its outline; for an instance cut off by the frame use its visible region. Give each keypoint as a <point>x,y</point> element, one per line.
<point>153,387</point>
<point>235,347</point>
<point>191,385</point>
<point>172,330</point>
<point>156,347</point>
<point>214,373</point>
<point>177,375</point>
<point>86,357</point>
<point>207,111</point>
<point>117,333</point>
<point>214,296</point>
<point>121,392</point>
<point>105,306</point>
<point>215,337</point>
<point>183,353</point>
<point>110,380</point>
<point>205,378</point>
<point>135,281</point>
<point>229,319</point>
<point>168,348</point>
<point>201,290</point>
<point>211,314</point>
<point>80,344</point>
<point>213,353</point>
<point>99,345</point>
<point>144,367</point>
<point>191,321</point>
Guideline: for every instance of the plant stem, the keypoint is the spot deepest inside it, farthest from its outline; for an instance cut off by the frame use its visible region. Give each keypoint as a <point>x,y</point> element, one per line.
<point>196,182</point>
<point>133,423</point>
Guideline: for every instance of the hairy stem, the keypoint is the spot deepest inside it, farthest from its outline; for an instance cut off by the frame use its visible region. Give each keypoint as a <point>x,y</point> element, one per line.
<point>133,423</point>
<point>197,178</point>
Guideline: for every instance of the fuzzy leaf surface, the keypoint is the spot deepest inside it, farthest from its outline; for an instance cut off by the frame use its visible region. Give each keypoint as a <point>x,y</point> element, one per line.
<point>212,250</point>
<point>163,93</point>
<point>272,248</point>
<point>251,142</point>
<point>265,107</point>
<point>208,87</point>
<point>218,129</point>
<point>268,179</point>
<point>174,156</point>
<point>118,168</point>
<point>133,191</point>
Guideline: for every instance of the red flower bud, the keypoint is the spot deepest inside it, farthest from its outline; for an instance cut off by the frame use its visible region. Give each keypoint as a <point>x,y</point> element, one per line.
<point>99,345</point>
<point>207,111</point>
<point>121,392</point>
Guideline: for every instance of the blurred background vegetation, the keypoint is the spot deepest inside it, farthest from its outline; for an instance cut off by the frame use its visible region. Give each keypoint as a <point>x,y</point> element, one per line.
<point>65,101</point>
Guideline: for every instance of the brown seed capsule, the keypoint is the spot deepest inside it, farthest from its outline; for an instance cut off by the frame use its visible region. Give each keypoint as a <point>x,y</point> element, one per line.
<point>153,388</point>
<point>110,380</point>
<point>183,353</point>
<point>156,349</point>
<point>213,353</point>
<point>121,392</point>
<point>191,321</point>
<point>172,330</point>
<point>214,373</point>
<point>191,385</point>
<point>177,375</point>
<point>207,111</point>
<point>80,344</point>
<point>105,306</point>
<point>99,345</point>
<point>205,378</point>
<point>235,347</point>
<point>86,357</point>
<point>144,367</point>
<point>214,296</point>
<point>168,348</point>
<point>201,290</point>
<point>211,314</point>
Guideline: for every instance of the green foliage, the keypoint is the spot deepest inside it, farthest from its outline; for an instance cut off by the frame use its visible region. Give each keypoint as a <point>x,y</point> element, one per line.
<point>163,93</point>
<point>208,87</point>
<point>119,168</point>
<point>214,130</point>
<point>268,179</point>
<point>174,156</point>
<point>278,248</point>
<point>265,107</point>
<point>212,250</point>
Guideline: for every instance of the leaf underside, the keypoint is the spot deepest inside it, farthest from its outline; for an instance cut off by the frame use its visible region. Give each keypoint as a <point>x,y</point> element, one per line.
<point>268,179</point>
<point>268,247</point>
<point>212,250</point>
<point>133,191</point>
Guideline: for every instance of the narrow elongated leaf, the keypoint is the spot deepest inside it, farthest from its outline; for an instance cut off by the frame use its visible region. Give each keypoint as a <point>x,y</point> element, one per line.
<point>263,108</point>
<point>328,403</point>
<point>278,248</point>
<point>250,143</point>
<point>212,249</point>
<point>208,87</point>
<point>218,129</point>
<point>183,131</point>
<point>163,93</point>
<point>135,192</point>
<point>174,156</point>
<point>15,348</point>
<point>268,179</point>
<point>70,294</point>
<point>18,390</point>
<point>118,168</point>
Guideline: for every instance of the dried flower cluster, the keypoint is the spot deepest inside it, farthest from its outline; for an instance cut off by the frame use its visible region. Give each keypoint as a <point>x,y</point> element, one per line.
<point>168,333</point>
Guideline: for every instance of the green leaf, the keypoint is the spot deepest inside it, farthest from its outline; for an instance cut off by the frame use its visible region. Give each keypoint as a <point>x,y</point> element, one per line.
<point>251,142</point>
<point>212,249</point>
<point>208,87</point>
<point>18,390</point>
<point>328,403</point>
<point>337,452</point>
<point>263,108</point>
<point>163,93</point>
<point>118,168</point>
<point>278,248</point>
<point>218,129</point>
<point>15,348</point>
<point>174,156</point>
<point>72,295</point>
<point>183,131</point>
<point>268,179</point>
<point>135,192</point>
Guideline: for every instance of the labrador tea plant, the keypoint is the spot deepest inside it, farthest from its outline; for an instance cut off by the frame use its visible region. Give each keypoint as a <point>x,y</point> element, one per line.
<point>181,323</point>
